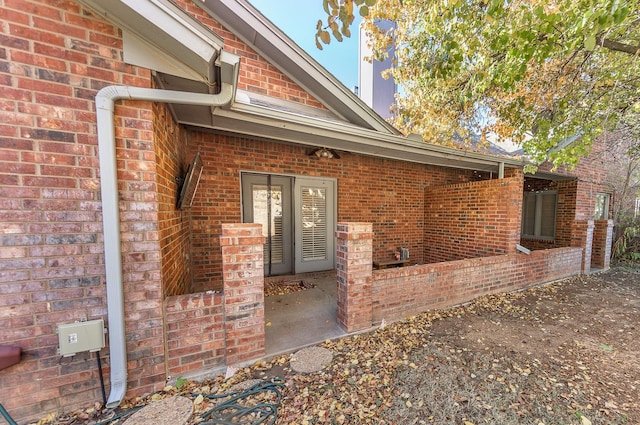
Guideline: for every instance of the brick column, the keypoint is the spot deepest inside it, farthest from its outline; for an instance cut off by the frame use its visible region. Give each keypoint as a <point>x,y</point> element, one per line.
<point>243,280</point>
<point>602,239</point>
<point>582,236</point>
<point>354,264</point>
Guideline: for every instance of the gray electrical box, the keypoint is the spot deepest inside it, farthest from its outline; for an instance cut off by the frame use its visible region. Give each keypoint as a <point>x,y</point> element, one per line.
<point>80,336</point>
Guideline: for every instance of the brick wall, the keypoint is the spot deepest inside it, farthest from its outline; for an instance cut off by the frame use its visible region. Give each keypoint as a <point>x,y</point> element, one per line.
<point>174,225</point>
<point>243,277</point>
<point>602,244</point>
<point>195,332</point>
<point>474,219</point>
<point>208,330</point>
<point>582,236</point>
<point>256,74</point>
<point>141,256</point>
<point>388,193</point>
<point>591,174</point>
<point>354,251</point>
<point>398,293</point>
<point>54,57</point>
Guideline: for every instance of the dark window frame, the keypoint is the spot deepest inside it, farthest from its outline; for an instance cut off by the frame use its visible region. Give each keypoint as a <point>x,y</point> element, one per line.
<point>536,214</point>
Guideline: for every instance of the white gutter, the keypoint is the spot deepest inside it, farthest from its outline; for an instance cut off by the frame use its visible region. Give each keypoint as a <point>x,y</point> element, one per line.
<point>105,101</point>
<point>371,141</point>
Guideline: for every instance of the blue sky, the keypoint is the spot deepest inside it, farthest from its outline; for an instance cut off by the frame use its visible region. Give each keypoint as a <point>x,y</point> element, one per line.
<point>297,19</point>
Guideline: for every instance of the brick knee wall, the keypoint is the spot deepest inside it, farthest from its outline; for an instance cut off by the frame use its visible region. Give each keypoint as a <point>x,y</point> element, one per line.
<point>401,292</point>
<point>195,332</point>
<point>354,264</point>
<point>243,279</point>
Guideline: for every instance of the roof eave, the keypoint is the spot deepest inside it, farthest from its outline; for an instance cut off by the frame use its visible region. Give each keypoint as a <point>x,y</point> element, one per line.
<point>281,126</point>
<point>271,43</point>
<point>167,28</point>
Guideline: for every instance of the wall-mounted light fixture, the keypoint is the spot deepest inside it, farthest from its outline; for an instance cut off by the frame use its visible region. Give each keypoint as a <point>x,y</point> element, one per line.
<point>324,153</point>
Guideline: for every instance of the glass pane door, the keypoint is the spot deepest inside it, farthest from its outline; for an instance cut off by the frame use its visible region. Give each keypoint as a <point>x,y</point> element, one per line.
<point>267,201</point>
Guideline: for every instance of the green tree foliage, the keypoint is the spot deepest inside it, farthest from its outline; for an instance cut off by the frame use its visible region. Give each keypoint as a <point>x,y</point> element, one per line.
<point>548,75</point>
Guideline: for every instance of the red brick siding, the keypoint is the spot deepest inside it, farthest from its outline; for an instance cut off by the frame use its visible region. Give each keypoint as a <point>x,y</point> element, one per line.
<point>566,212</point>
<point>537,244</point>
<point>591,173</point>
<point>602,244</point>
<point>243,277</point>
<point>256,74</point>
<point>142,280</point>
<point>400,292</point>
<point>195,332</point>
<point>576,205</point>
<point>474,219</point>
<point>210,329</point>
<point>393,294</point>
<point>354,262</point>
<point>174,225</point>
<point>54,56</point>
<point>582,236</point>
<point>388,193</point>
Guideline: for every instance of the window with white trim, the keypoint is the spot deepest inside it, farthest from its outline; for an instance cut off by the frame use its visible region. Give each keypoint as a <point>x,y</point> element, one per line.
<point>539,215</point>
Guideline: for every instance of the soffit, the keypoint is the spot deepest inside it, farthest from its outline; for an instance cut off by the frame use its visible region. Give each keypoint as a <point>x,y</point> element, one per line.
<point>277,120</point>
<point>276,125</point>
<point>546,175</point>
<point>156,30</point>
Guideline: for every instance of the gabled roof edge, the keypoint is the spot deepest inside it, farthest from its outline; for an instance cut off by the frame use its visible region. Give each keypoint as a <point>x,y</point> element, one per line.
<point>166,27</point>
<point>253,28</point>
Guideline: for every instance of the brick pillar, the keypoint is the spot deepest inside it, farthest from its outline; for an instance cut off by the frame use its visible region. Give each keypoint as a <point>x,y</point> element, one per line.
<point>602,238</point>
<point>243,280</point>
<point>355,261</point>
<point>582,236</point>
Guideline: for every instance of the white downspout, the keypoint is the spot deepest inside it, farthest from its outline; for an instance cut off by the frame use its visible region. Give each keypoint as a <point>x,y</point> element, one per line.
<point>105,100</point>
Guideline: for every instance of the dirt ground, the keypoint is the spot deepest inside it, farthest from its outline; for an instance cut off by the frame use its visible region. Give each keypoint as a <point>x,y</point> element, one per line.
<point>566,353</point>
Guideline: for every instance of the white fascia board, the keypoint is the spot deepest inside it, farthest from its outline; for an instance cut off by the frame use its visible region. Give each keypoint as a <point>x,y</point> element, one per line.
<point>371,142</point>
<point>168,28</point>
<point>271,43</point>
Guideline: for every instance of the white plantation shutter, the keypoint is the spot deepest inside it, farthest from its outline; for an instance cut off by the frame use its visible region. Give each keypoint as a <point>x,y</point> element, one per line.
<point>277,242</point>
<point>267,206</point>
<point>314,224</point>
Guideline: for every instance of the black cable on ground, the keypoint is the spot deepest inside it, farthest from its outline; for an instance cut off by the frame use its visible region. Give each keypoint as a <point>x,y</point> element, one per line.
<point>6,416</point>
<point>104,394</point>
<point>232,411</point>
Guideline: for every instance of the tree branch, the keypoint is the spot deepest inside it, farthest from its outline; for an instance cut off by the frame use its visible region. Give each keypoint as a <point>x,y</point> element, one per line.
<point>618,47</point>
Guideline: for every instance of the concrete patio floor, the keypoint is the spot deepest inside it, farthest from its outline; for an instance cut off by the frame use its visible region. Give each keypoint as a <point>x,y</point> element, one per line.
<point>302,318</point>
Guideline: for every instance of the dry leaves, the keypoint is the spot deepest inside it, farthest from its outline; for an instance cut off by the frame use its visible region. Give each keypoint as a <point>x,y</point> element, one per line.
<point>565,353</point>
<point>283,287</point>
